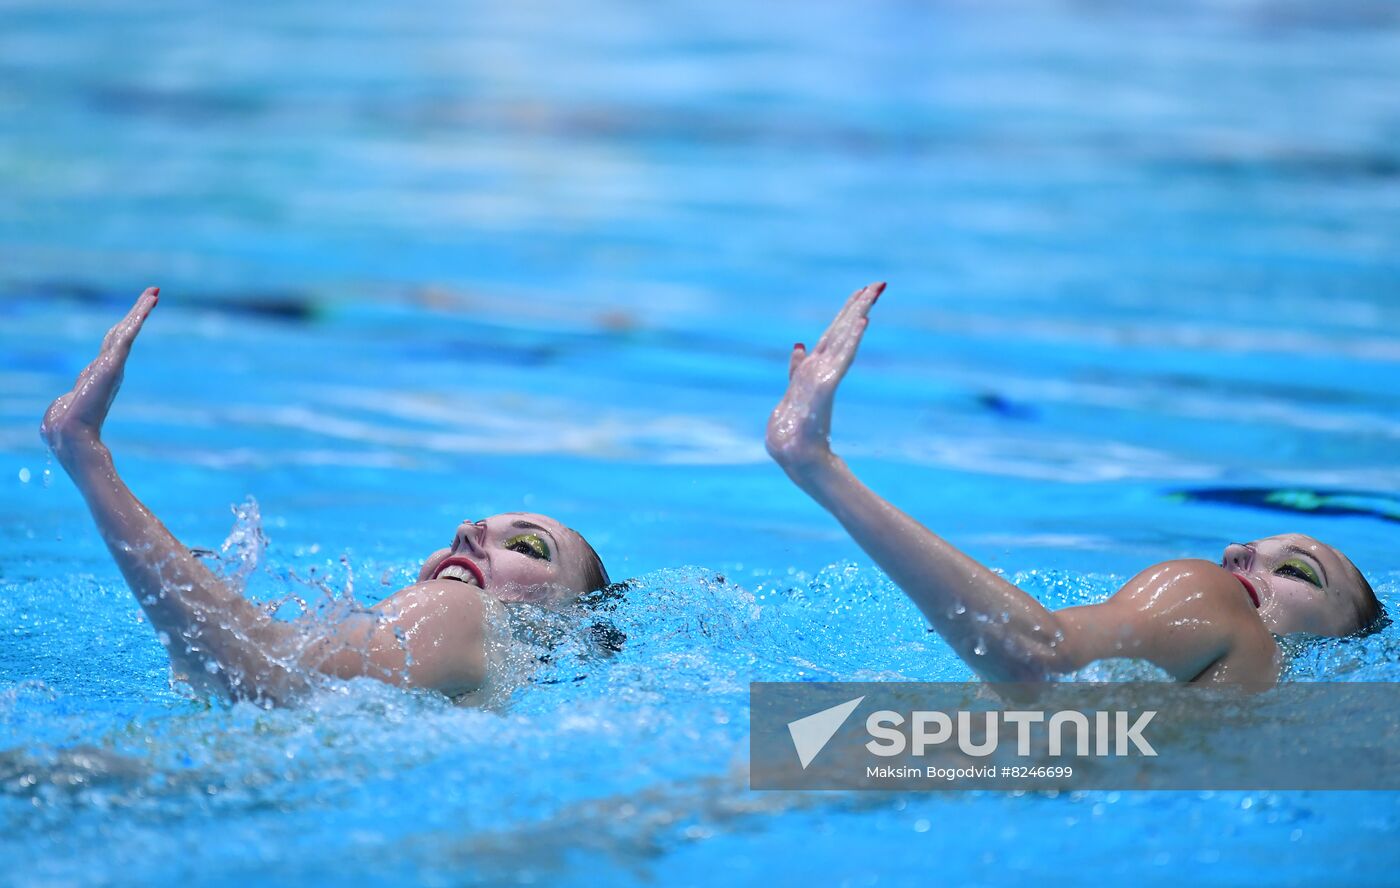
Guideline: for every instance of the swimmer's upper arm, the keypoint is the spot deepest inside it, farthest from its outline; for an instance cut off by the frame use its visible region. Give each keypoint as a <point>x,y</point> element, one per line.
<point>420,637</point>
<point>1189,617</point>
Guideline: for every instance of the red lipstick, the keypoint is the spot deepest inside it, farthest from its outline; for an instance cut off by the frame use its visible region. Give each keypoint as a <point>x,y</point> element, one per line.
<point>1248,587</point>
<point>460,561</point>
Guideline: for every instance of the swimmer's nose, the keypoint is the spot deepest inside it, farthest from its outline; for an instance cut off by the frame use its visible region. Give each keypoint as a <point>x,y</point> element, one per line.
<point>470,537</point>
<point>1238,556</point>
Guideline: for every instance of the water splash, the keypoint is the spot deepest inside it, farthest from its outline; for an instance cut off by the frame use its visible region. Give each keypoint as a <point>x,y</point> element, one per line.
<point>242,551</point>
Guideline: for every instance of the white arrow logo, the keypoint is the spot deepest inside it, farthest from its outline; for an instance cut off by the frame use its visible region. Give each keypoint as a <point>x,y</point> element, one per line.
<point>811,734</point>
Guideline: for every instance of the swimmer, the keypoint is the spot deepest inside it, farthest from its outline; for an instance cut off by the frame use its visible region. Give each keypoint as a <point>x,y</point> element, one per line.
<point>438,633</point>
<point>1198,620</point>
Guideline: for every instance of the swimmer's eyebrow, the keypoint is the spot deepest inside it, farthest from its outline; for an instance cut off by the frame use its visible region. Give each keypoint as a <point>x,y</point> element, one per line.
<point>530,525</point>
<point>1311,557</point>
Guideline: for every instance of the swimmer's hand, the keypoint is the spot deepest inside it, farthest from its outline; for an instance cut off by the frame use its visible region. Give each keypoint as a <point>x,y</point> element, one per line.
<point>72,426</point>
<point>799,431</point>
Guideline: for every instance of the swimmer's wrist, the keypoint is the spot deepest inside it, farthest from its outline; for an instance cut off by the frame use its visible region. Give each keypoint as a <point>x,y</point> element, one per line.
<point>80,451</point>
<point>815,469</point>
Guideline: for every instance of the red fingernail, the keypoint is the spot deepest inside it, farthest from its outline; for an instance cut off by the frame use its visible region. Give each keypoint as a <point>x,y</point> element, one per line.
<point>797,345</point>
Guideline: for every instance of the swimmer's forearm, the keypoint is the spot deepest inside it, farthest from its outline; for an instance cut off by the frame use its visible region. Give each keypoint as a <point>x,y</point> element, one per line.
<point>999,630</point>
<point>213,634</point>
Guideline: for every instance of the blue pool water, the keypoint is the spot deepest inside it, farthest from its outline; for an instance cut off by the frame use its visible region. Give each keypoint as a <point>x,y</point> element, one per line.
<point>432,262</point>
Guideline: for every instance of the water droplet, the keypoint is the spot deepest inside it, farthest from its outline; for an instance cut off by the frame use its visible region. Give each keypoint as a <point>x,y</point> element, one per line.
<point>24,475</point>
<point>980,648</point>
<point>960,609</point>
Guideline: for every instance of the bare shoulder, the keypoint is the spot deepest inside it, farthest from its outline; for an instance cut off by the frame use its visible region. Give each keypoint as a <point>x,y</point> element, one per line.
<point>1189,616</point>
<point>1187,583</point>
<point>436,632</point>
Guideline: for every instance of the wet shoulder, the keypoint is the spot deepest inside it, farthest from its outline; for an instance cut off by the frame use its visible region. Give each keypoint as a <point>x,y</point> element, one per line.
<point>1189,602</point>
<point>1187,582</point>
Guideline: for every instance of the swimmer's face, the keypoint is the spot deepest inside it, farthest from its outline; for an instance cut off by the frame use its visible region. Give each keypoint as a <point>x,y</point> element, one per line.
<point>1302,585</point>
<point>517,556</point>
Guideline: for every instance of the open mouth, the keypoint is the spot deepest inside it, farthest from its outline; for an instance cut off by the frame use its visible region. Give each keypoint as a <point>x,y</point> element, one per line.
<point>461,569</point>
<point>1248,587</point>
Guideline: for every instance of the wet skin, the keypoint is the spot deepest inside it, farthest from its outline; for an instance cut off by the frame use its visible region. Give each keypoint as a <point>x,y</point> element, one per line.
<point>436,633</point>
<point>520,556</point>
<point>1198,620</point>
<point>1301,584</point>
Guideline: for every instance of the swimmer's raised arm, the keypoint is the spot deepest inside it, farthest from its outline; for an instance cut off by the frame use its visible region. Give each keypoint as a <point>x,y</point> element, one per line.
<point>1004,634</point>
<point>217,639</point>
<point>210,632</point>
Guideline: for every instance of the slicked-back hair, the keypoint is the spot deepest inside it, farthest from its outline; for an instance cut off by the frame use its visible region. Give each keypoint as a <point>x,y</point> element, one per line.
<point>1373,615</point>
<point>595,575</point>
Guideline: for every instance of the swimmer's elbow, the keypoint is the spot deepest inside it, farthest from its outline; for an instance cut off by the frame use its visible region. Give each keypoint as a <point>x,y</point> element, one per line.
<point>1023,677</point>
<point>1030,672</point>
<point>242,679</point>
<point>1048,662</point>
<point>1019,679</point>
<point>1024,663</point>
<point>1050,648</point>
